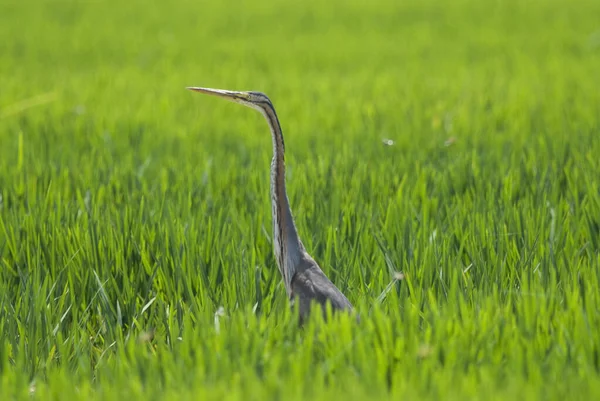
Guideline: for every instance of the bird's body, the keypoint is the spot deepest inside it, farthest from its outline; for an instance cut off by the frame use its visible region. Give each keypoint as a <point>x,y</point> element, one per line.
<point>304,280</point>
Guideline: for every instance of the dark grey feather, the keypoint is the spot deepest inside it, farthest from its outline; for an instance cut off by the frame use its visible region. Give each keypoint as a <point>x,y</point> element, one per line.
<point>310,286</point>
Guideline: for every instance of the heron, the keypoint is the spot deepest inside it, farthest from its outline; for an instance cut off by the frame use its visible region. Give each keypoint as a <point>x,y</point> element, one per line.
<point>303,278</point>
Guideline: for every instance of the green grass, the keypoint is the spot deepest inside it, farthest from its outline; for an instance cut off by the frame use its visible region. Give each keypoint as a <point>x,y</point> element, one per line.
<point>135,255</point>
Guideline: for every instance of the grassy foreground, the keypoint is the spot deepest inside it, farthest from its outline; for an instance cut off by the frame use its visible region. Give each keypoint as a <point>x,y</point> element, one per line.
<point>455,142</point>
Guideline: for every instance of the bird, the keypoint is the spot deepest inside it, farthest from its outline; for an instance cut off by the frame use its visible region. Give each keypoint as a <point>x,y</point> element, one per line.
<point>303,278</point>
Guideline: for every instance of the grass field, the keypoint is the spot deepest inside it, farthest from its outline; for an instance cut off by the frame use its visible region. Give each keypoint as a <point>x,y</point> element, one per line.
<point>455,142</point>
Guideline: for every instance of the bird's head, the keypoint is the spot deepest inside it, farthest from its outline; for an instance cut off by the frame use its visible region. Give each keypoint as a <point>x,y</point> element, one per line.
<point>256,100</point>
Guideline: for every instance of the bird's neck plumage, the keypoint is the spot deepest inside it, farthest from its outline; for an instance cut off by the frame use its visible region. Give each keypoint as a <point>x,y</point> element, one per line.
<point>287,246</point>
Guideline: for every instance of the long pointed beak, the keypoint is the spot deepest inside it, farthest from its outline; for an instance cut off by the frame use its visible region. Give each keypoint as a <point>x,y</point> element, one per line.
<point>230,95</point>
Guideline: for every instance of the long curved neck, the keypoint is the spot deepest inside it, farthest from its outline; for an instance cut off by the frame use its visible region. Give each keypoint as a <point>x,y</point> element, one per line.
<point>286,243</point>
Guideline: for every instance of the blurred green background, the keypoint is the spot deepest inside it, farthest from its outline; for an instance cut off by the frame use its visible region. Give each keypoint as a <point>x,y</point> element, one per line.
<point>455,142</point>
